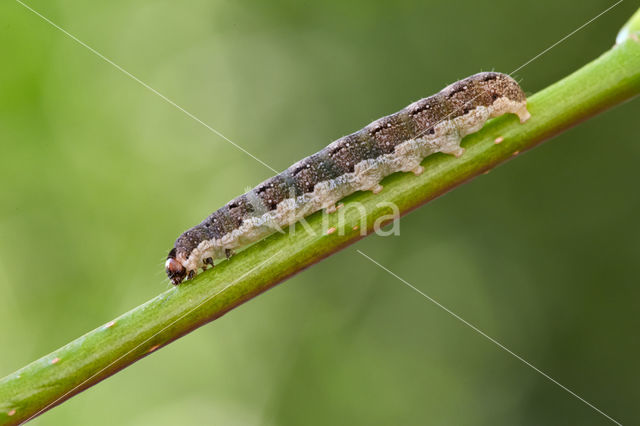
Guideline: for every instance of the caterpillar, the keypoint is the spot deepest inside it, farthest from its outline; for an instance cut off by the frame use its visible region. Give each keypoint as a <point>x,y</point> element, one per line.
<point>357,162</point>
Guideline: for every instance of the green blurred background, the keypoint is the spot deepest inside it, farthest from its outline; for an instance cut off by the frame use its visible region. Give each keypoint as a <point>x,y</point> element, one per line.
<point>99,175</point>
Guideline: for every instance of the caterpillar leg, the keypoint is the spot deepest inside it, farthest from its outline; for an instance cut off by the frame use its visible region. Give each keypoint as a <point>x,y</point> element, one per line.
<point>191,274</point>
<point>228,253</point>
<point>523,114</point>
<point>377,189</point>
<point>208,262</point>
<point>418,170</point>
<point>331,209</point>
<point>457,151</point>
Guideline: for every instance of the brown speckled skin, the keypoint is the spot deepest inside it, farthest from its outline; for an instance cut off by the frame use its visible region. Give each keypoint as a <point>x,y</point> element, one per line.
<point>340,157</point>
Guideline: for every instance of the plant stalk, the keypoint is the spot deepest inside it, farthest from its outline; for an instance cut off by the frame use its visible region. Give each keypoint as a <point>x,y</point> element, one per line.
<point>611,79</point>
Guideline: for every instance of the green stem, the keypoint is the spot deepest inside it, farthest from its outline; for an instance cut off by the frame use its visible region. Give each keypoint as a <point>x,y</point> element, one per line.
<point>609,80</point>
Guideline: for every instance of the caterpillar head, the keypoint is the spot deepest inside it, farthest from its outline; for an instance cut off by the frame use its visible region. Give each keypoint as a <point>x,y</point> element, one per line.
<point>175,271</point>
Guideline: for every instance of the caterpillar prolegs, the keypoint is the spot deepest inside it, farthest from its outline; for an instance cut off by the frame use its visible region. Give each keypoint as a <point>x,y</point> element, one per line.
<point>357,162</point>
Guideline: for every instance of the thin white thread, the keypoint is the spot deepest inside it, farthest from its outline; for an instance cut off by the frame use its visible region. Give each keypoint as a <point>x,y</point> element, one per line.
<point>530,60</point>
<point>148,339</point>
<point>275,171</point>
<point>145,85</point>
<point>566,37</point>
<point>491,339</point>
<point>229,140</point>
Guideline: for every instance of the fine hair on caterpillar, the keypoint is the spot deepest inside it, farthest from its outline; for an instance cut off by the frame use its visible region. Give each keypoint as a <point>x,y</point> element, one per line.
<point>356,162</point>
